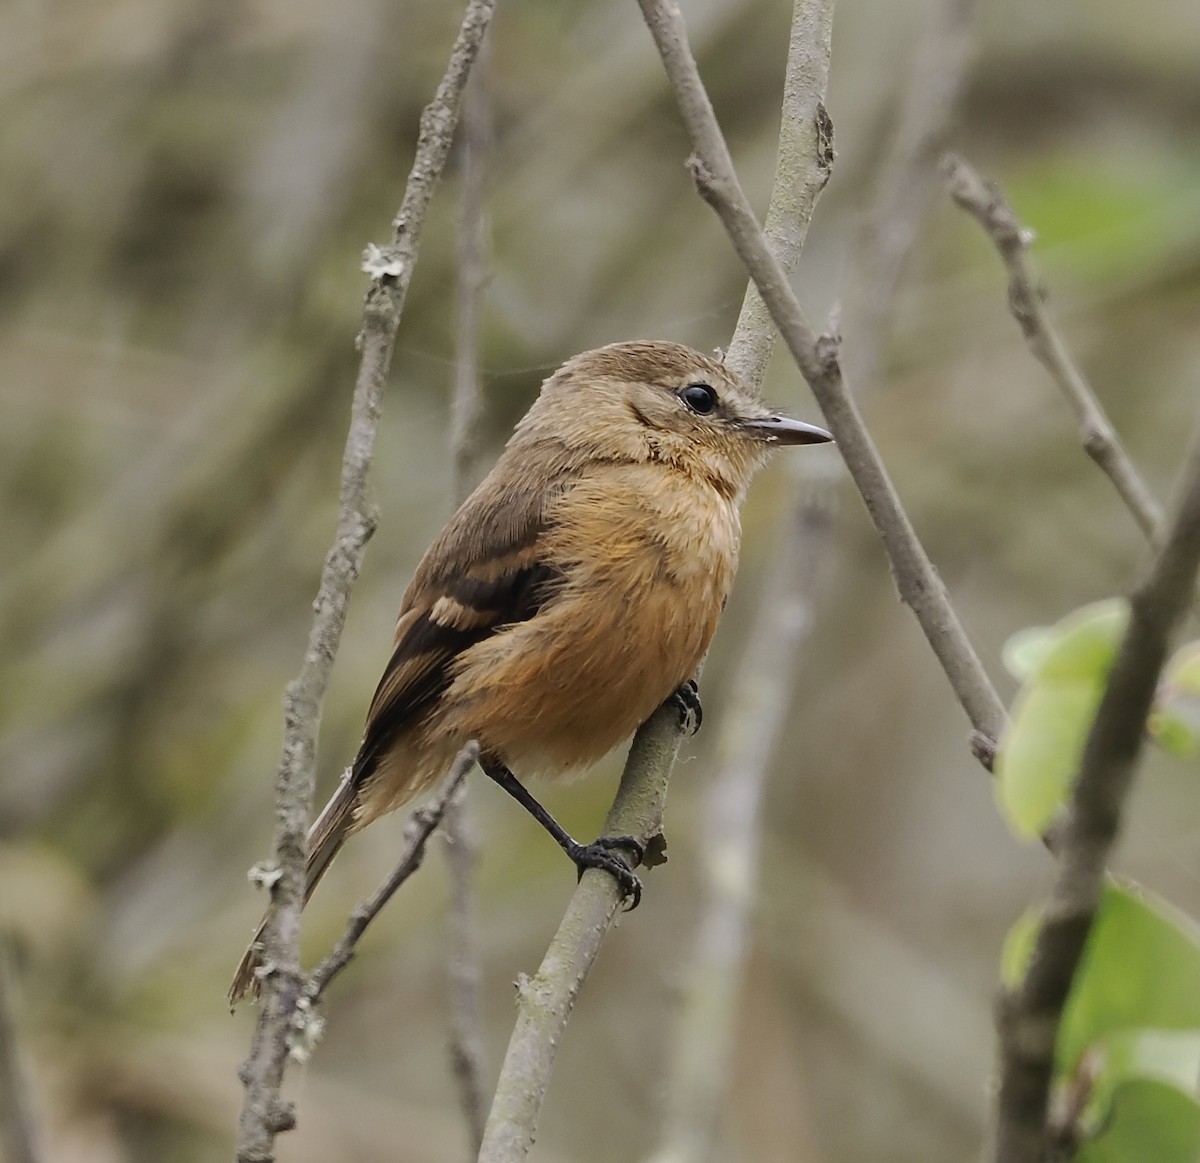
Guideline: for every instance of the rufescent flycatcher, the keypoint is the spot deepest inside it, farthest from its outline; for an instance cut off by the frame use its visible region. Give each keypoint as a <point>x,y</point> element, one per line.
<point>574,591</point>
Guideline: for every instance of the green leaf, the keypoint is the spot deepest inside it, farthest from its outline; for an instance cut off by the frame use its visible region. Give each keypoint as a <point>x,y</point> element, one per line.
<point>1140,969</point>
<point>1018,948</point>
<point>1166,1057</point>
<point>1175,727</point>
<point>1085,643</point>
<point>1183,670</point>
<point>1066,666</point>
<point>1026,650</point>
<point>1170,1056</point>
<point>1175,721</point>
<point>1040,752</point>
<point>1150,1122</point>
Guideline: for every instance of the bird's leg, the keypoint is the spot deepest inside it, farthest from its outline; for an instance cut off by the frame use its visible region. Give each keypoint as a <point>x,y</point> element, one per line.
<point>598,854</point>
<point>686,700</point>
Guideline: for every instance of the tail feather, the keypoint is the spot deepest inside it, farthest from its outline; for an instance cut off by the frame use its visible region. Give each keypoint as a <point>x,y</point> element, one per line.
<point>325,837</point>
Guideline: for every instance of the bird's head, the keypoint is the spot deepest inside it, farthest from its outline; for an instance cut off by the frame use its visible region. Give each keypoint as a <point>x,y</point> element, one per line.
<point>656,401</point>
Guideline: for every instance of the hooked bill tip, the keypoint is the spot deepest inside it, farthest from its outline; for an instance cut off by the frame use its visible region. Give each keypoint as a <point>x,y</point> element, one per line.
<point>785,430</point>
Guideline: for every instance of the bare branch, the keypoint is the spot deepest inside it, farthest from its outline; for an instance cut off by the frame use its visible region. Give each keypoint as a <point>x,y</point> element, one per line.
<point>803,165</point>
<point>467,405</point>
<point>1029,1018</point>
<point>545,1001</point>
<point>18,1132</point>
<point>420,826</point>
<point>263,1113</point>
<point>463,973</point>
<point>985,202</point>
<point>919,585</point>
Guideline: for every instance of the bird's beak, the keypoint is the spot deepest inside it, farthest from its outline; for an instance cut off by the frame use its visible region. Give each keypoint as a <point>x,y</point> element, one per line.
<point>785,430</point>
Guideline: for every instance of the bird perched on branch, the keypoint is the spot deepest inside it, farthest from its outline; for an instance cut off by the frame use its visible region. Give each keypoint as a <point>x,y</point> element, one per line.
<point>575,591</point>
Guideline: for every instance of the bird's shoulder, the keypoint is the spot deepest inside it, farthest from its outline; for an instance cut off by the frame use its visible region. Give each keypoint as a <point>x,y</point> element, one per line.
<point>482,566</point>
<point>487,568</point>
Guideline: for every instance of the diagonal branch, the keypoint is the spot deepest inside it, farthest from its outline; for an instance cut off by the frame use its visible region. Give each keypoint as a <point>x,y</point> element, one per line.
<point>918,582</point>
<point>803,166</point>
<point>264,1114</point>
<point>1030,1017</point>
<point>985,202</point>
<point>545,1002</point>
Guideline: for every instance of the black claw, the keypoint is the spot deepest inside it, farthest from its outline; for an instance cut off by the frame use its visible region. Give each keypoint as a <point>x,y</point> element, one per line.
<point>687,701</point>
<point>630,843</point>
<point>600,854</point>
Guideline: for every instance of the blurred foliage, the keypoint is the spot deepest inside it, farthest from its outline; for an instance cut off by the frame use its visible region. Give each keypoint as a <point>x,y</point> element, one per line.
<point>1175,721</point>
<point>1127,1060</point>
<point>188,187</point>
<point>1064,669</point>
<point>1127,1068</point>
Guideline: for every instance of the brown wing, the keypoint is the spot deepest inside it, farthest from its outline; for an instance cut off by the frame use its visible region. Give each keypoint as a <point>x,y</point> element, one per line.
<point>485,571</point>
<point>430,638</point>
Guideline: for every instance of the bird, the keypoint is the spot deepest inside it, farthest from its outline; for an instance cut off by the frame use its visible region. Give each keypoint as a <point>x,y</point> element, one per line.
<point>575,591</point>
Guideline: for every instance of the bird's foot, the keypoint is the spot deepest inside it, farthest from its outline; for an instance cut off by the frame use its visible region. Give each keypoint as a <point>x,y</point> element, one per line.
<point>605,853</point>
<point>686,700</point>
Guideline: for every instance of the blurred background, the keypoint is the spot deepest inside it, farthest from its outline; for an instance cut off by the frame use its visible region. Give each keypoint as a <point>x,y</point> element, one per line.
<point>188,186</point>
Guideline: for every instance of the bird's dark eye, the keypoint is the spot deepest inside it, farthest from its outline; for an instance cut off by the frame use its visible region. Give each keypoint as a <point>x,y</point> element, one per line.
<point>700,398</point>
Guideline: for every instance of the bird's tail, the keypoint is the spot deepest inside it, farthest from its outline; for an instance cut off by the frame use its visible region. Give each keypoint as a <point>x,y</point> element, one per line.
<point>325,837</point>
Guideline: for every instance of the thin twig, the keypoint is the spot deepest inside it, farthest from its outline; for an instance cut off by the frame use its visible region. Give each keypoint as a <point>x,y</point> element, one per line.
<point>905,182</point>
<point>467,405</point>
<point>420,826</point>
<point>18,1131</point>
<point>264,1114</point>
<point>917,581</point>
<point>463,972</point>
<point>803,164</point>
<point>1030,1017</point>
<point>985,202</point>
<point>545,1001</point>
